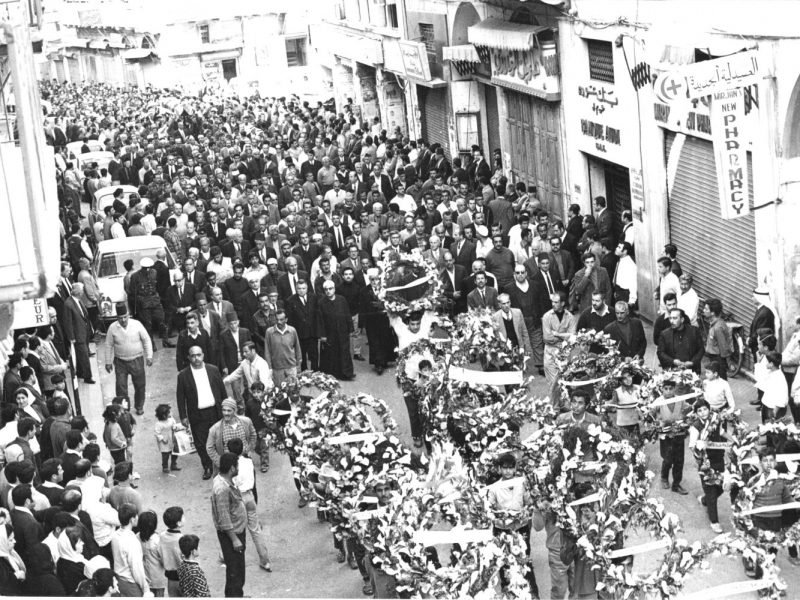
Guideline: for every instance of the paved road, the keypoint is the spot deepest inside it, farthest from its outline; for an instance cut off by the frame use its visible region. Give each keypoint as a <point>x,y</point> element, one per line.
<point>303,559</point>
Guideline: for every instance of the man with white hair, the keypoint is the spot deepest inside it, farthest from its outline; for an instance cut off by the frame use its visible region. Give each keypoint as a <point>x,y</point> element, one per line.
<point>78,330</point>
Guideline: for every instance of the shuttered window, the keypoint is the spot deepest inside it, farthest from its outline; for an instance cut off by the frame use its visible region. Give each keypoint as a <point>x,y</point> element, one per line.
<point>433,105</point>
<point>601,60</point>
<point>720,254</point>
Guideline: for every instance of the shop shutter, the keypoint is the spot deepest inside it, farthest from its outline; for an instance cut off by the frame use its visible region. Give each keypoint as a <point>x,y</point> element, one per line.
<point>433,103</point>
<point>74,70</point>
<point>719,254</point>
<point>618,194</point>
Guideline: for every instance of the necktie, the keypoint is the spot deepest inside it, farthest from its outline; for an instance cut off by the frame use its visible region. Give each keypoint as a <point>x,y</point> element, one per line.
<point>549,283</point>
<point>339,237</point>
<point>616,270</point>
<point>180,293</point>
<point>303,300</point>
<point>358,242</point>
<point>483,298</point>
<point>291,283</point>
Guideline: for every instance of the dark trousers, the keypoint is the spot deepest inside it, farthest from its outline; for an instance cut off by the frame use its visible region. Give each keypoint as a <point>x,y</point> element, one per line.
<point>82,363</point>
<point>672,453</point>
<point>201,422</point>
<point>792,406</point>
<point>768,414</point>
<point>712,494</point>
<point>118,455</point>
<point>134,368</point>
<point>768,524</point>
<point>414,419</point>
<point>165,456</point>
<point>309,351</point>
<point>153,320</point>
<point>234,564</point>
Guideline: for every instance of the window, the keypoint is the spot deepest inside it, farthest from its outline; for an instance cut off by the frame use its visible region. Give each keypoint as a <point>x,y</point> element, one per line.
<point>601,61</point>
<point>467,128</point>
<point>391,15</point>
<point>426,33</point>
<point>339,10</point>
<point>205,37</point>
<point>296,52</point>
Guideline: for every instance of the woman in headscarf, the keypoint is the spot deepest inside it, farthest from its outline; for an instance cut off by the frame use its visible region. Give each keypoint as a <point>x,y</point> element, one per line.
<point>12,569</point>
<point>71,563</point>
<point>88,587</point>
<point>41,579</point>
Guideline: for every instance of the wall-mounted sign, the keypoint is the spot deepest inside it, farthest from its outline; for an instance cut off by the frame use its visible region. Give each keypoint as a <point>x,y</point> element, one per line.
<point>602,121</point>
<point>708,77</point>
<point>415,59</point>
<point>730,152</point>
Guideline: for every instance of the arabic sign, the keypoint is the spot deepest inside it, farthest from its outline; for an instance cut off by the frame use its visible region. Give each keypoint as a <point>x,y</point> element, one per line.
<point>601,121</point>
<point>415,59</point>
<point>602,98</point>
<point>730,153</point>
<point>708,77</point>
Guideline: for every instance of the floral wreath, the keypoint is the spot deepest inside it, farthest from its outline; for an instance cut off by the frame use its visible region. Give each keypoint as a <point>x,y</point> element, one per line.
<point>599,540</point>
<point>474,338</point>
<point>651,425</point>
<point>717,421</point>
<point>743,446</point>
<point>395,304</point>
<point>419,349</point>
<point>574,359</point>
<point>445,494</point>
<point>728,545</point>
<point>288,394</point>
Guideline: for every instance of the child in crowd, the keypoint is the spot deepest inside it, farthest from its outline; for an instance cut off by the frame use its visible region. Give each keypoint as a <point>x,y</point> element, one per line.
<point>165,437</point>
<point>151,549</point>
<point>626,399</point>
<point>193,583</point>
<point>128,425</point>
<point>716,391</point>
<point>113,435</point>
<point>170,548</point>
<point>252,410</point>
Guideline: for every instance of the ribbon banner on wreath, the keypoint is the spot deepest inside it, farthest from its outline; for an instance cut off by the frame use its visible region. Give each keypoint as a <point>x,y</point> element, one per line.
<point>409,284</point>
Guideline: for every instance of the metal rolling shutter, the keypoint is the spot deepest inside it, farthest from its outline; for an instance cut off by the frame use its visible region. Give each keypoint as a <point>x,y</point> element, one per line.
<point>434,116</point>
<point>719,254</point>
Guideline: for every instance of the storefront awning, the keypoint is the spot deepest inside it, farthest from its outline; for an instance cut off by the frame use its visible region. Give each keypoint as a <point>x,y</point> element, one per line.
<point>73,43</point>
<point>463,53</point>
<point>137,53</point>
<point>504,35</point>
<point>98,44</point>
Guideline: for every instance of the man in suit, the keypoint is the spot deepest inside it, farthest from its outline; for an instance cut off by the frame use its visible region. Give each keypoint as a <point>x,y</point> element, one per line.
<point>212,324</point>
<point>232,340</point>
<point>78,331</point>
<point>214,229</point>
<point>301,309</point>
<point>628,332</point>
<point>523,298</point>
<point>588,280</point>
<point>338,233</point>
<point>452,276</point>
<point>307,251</point>
<point>435,253</point>
<point>199,396</point>
<point>604,220</point>
<point>192,276</point>
<point>287,283</point>
<point>220,306</point>
<point>510,325</point>
<point>27,530</point>
<point>179,301</point>
<point>543,282</point>
<point>763,319</point>
<point>482,296</point>
<point>561,264</point>
<point>463,250</point>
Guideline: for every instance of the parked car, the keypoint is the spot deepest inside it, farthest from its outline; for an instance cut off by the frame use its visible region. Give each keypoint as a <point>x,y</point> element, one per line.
<point>105,196</point>
<point>109,267</point>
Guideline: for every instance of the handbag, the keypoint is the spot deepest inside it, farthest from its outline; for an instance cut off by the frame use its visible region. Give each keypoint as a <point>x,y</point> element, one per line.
<point>184,442</point>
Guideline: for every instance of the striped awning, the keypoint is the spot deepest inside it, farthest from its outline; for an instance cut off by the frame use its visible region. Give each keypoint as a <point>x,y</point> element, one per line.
<point>137,53</point>
<point>462,53</point>
<point>503,35</point>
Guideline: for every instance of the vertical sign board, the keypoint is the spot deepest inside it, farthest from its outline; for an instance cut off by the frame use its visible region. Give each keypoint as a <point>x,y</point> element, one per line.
<point>30,313</point>
<point>730,153</point>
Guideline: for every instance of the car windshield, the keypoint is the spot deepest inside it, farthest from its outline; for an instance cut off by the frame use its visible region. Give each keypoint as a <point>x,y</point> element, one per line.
<point>109,264</point>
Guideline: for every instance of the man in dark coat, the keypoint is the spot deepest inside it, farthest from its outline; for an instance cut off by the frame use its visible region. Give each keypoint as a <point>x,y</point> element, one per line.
<point>763,319</point>
<point>193,335</point>
<point>374,319</point>
<point>199,396</point>
<point>179,301</point>
<point>79,332</point>
<point>680,346</point>
<point>232,341</point>
<point>301,309</point>
<point>334,326</point>
<point>628,332</point>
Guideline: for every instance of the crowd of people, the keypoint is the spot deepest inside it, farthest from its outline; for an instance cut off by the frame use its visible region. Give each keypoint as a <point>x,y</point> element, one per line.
<point>280,217</point>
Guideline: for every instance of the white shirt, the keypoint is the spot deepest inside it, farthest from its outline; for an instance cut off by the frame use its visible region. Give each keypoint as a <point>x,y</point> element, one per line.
<point>668,283</point>
<point>627,277</point>
<point>405,204</point>
<point>105,521</point>
<point>483,247</point>
<point>205,397</point>
<point>258,370</point>
<point>117,231</point>
<point>245,480</point>
<point>690,303</point>
<point>335,197</point>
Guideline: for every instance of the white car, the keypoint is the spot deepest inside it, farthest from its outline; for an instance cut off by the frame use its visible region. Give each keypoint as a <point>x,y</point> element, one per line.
<point>105,196</point>
<point>110,271</point>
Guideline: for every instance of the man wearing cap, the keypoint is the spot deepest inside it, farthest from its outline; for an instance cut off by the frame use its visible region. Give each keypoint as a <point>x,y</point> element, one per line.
<point>199,396</point>
<point>146,302</point>
<point>232,340</point>
<point>128,347</point>
<point>230,426</point>
<point>273,276</point>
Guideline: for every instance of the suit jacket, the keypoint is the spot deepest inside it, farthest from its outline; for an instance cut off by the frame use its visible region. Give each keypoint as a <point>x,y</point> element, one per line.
<point>475,302</point>
<point>231,356</point>
<point>219,235</point>
<point>229,250</point>
<point>308,256</point>
<point>437,257</point>
<point>459,274</point>
<point>285,288</point>
<point>543,302</point>
<point>185,341</point>
<point>582,289</point>
<point>186,392</point>
<point>28,532</point>
<point>76,322</point>
<point>303,317</point>
<point>466,256</point>
<point>336,248</point>
<point>174,301</point>
<point>227,308</point>
<point>566,260</point>
<point>763,319</point>
<point>605,226</point>
<point>519,328</point>
<point>412,242</point>
<point>638,343</point>
<point>198,280</point>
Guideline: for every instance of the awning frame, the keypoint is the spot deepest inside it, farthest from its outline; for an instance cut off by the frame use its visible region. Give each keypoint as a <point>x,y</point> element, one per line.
<point>461,53</point>
<point>504,35</point>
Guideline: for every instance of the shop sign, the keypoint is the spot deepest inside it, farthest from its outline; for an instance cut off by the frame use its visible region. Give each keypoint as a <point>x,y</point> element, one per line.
<point>415,60</point>
<point>730,152</point>
<point>30,313</point>
<point>212,71</point>
<point>637,194</point>
<point>522,65</point>
<point>708,77</point>
<point>601,133</point>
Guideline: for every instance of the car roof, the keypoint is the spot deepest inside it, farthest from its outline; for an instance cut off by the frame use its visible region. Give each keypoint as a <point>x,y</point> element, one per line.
<point>109,190</point>
<point>137,242</point>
